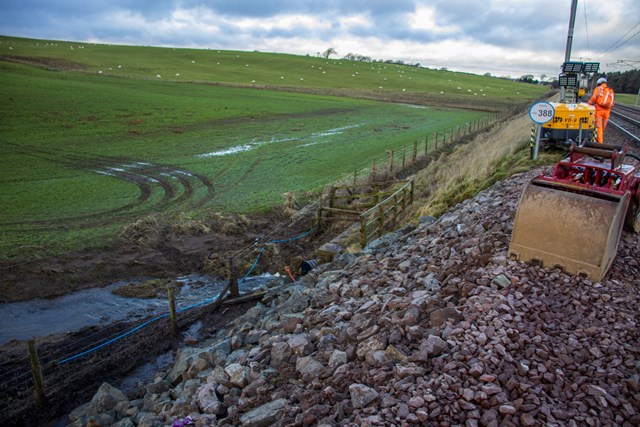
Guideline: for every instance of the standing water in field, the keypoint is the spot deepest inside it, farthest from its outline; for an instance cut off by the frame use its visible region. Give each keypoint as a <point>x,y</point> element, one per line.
<point>99,306</point>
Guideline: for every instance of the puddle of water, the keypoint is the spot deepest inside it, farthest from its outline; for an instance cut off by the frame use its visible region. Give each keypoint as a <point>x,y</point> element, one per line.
<point>98,306</point>
<point>256,144</point>
<point>421,107</point>
<point>244,147</point>
<point>330,132</point>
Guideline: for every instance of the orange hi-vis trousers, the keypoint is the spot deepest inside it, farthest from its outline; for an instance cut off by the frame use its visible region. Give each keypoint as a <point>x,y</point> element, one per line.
<point>602,118</point>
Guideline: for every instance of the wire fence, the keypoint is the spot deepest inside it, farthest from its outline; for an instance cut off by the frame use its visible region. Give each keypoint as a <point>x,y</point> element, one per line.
<point>61,364</point>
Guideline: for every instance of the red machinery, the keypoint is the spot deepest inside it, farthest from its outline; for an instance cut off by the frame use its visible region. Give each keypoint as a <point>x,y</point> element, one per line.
<point>574,218</point>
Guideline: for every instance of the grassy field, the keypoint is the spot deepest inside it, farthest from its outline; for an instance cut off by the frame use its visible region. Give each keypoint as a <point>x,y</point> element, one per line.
<point>94,137</point>
<point>625,98</point>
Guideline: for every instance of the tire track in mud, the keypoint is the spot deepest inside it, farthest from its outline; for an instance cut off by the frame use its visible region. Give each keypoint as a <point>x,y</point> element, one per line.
<point>178,187</point>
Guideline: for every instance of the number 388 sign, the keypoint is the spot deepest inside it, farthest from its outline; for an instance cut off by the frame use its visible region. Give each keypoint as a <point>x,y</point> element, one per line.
<point>541,112</point>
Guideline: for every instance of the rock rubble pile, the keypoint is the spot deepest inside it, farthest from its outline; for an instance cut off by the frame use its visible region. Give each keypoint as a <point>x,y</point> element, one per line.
<point>430,325</point>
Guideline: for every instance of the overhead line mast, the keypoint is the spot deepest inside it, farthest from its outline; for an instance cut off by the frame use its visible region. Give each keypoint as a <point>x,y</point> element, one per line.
<point>567,52</point>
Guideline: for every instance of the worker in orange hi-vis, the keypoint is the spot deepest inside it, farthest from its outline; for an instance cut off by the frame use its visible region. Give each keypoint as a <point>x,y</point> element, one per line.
<point>603,99</point>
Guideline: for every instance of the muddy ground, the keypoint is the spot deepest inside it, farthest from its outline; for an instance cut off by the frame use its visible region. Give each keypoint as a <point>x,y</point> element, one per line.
<point>165,256</point>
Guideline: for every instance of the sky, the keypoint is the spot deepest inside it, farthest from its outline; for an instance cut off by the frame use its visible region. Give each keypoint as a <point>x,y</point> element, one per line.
<point>506,38</point>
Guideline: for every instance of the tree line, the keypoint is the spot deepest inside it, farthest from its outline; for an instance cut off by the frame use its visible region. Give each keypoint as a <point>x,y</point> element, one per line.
<point>624,82</point>
<point>363,58</point>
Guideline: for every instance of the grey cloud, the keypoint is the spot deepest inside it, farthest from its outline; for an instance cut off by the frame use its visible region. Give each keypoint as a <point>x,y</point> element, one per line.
<point>268,8</point>
<point>527,26</point>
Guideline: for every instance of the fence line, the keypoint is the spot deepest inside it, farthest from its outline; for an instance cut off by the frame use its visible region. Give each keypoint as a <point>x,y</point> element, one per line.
<point>374,221</point>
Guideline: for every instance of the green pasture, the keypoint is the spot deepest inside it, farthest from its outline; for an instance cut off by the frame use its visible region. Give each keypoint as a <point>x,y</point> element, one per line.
<point>84,153</point>
<point>628,99</point>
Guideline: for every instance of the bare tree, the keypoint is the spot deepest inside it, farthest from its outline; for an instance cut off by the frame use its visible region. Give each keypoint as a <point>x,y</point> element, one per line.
<point>327,53</point>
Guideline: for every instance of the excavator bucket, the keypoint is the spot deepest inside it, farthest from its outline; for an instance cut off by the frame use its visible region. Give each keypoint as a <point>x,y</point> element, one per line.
<point>560,226</point>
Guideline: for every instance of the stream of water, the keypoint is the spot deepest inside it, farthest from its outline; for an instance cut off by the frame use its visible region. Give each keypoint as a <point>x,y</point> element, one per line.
<point>99,306</point>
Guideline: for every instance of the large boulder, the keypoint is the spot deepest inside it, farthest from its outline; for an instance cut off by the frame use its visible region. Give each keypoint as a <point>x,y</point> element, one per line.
<point>105,400</point>
<point>362,395</point>
<point>265,415</point>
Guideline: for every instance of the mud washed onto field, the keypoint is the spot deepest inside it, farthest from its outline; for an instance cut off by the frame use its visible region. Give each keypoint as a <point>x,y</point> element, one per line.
<point>162,254</point>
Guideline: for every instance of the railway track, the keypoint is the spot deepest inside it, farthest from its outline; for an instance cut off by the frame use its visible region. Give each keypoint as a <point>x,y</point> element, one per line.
<point>626,121</point>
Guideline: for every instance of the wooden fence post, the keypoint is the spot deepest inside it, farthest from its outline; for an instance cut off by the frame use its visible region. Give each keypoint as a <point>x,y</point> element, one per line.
<point>332,200</point>
<point>332,197</point>
<point>172,312</point>
<point>404,198</point>
<point>435,139</point>
<point>233,279</point>
<point>36,372</point>
<point>363,231</point>
<point>395,208</point>
<point>411,193</point>
<point>319,217</point>
<point>426,145</point>
<point>404,156</point>
<point>415,151</point>
<point>390,154</point>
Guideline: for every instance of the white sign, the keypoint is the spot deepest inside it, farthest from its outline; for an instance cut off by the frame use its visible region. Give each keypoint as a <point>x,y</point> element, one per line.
<point>541,112</point>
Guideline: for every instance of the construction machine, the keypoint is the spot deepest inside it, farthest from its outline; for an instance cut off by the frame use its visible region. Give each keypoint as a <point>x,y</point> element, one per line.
<point>573,121</point>
<point>574,218</point>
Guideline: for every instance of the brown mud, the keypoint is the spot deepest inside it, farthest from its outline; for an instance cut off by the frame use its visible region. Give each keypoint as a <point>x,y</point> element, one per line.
<point>161,254</point>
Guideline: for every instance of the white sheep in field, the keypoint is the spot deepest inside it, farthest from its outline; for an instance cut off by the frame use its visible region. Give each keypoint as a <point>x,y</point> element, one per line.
<point>158,76</point>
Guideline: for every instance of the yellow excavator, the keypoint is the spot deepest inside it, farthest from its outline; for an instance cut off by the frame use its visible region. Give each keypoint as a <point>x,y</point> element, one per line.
<point>573,219</point>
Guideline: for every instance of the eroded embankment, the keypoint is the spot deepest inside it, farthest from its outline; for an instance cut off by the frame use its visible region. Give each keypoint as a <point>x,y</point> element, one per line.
<point>436,327</point>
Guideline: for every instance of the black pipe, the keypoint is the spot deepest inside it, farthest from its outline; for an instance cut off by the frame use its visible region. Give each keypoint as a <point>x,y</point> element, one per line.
<point>307,266</point>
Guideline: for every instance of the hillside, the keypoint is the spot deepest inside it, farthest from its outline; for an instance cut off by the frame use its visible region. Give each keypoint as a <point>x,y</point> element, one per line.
<point>377,80</point>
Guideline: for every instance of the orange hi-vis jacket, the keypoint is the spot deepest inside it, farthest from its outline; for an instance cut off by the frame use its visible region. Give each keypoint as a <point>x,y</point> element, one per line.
<point>603,97</point>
